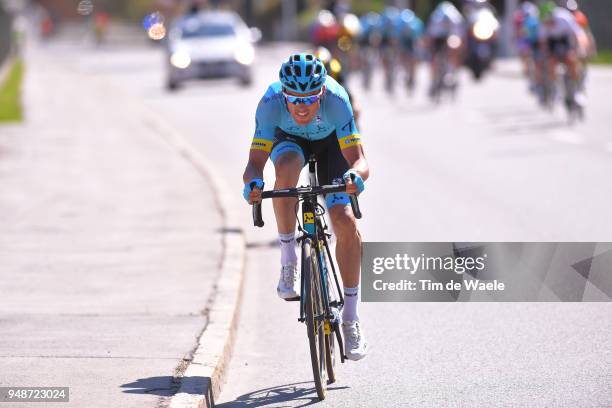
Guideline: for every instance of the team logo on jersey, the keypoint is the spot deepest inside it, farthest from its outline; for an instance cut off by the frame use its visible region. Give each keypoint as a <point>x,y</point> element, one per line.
<point>350,140</point>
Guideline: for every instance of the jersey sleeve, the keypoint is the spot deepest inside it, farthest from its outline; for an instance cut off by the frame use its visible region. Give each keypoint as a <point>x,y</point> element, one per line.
<point>341,115</point>
<point>266,121</point>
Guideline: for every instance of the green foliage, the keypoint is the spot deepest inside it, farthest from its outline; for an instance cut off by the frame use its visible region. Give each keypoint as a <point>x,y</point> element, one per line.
<point>604,57</point>
<point>137,9</point>
<point>362,7</point>
<point>10,94</point>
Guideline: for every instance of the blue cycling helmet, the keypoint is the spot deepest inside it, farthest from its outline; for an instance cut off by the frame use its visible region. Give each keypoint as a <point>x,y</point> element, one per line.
<point>302,73</point>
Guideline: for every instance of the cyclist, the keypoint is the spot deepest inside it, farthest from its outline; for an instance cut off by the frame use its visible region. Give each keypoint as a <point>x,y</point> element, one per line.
<point>445,32</point>
<point>527,26</point>
<point>348,41</point>
<point>409,29</point>
<point>308,112</point>
<point>388,44</point>
<point>325,31</point>
<point>370,36</point>
<point>586,41</point>
<point>336,70</point>
<point>559,35</point>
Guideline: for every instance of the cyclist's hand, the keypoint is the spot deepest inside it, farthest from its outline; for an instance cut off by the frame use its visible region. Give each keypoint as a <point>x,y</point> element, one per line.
<point>354,182</point>
<point>253,195</point>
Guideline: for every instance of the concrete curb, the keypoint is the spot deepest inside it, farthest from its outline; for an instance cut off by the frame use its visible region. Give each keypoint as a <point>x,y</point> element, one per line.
<point>201,382</point>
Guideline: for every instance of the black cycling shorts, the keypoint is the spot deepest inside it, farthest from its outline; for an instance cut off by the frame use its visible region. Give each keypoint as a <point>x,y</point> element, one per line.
<point>331,164</point>
<point>559,46</point>
<point>439,44</point>
<point>407,44</point>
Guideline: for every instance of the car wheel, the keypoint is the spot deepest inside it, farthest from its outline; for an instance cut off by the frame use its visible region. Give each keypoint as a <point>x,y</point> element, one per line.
<point>172,85</point>
<point>246,81</point>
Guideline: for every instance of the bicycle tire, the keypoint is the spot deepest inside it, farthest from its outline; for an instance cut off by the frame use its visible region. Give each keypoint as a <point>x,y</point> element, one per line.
<point>330,356</point>
<point>314,329</point>
<point>330,346</point>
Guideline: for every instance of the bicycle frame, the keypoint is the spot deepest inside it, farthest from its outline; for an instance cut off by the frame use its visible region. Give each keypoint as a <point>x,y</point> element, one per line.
<point>314,229</point>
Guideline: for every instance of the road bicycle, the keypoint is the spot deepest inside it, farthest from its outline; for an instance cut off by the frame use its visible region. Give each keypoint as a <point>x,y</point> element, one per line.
<point>321,299</point>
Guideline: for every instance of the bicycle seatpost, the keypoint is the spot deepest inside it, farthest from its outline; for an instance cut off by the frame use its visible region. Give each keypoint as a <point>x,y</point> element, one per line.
<point>312,170</point>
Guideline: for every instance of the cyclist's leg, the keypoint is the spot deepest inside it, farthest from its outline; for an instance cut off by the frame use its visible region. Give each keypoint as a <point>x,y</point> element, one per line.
<point>555,56</point>
<point>523,49</point>
<point>413,61</point>
<point>330,169</point>
<point>454,57</point>
<point>571,60</point>
<point>288,157</point>
<point>536,61</point>
<point>438,45</point>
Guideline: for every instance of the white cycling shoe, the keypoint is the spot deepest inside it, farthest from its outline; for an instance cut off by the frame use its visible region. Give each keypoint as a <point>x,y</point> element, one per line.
<point>288,282</point>
<point>355,344</point>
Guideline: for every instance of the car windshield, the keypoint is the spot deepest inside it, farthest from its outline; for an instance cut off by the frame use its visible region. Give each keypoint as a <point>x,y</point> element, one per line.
<point>206,30</point>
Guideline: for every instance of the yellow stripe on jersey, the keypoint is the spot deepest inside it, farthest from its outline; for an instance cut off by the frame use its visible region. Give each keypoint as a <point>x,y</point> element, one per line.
<point>261,144</point>
<point>350,140</point>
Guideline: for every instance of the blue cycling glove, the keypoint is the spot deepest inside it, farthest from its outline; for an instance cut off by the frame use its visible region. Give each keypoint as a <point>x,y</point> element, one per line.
<point>356,179</point>
<point>247,187</point>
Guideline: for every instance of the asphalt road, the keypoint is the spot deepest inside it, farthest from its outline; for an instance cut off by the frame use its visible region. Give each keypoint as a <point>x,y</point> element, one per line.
<point>489,167</point>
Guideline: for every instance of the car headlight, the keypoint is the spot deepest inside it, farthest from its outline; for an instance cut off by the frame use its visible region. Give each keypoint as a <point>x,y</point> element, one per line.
<point>245,54</point>
<point>180,59</point>
<point>484,29</point>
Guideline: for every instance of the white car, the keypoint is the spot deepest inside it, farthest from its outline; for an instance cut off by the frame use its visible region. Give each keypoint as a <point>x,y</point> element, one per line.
<point>210,44</point>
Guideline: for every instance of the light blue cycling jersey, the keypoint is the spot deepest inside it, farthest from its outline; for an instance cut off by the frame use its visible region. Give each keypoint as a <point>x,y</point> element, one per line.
<point>335,113</point>
<point>531,25</point>
<point>409,25</point>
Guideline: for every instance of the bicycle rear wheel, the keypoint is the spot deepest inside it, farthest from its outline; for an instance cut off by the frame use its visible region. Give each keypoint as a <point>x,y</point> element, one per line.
<point>315,322</point>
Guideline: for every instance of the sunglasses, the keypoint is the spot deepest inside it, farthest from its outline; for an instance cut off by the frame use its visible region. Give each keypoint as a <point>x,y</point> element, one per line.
<point>306,100</point>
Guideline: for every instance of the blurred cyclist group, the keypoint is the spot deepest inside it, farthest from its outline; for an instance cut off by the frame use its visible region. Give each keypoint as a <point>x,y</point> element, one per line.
<point>397,40</point>
<point>548,35</point>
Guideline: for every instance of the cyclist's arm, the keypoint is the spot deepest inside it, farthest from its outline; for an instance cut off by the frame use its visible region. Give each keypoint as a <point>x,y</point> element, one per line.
<point>356,160</point>
<point>266,120</point>
<point>255,166</point>
<point>349,138</point>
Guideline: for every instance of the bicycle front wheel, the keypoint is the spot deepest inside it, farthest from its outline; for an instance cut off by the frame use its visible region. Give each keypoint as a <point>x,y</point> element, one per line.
<point>315,318</point>
<point>330,355</point>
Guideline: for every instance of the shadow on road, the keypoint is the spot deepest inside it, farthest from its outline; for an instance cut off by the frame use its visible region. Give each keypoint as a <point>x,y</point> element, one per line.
<point>168,386</point>
<point>298,394</point>
<point>163,386</point>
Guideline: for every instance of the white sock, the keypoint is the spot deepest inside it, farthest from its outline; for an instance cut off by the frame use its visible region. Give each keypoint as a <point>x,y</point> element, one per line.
<point>351,300</point>
<point>287,244</point>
